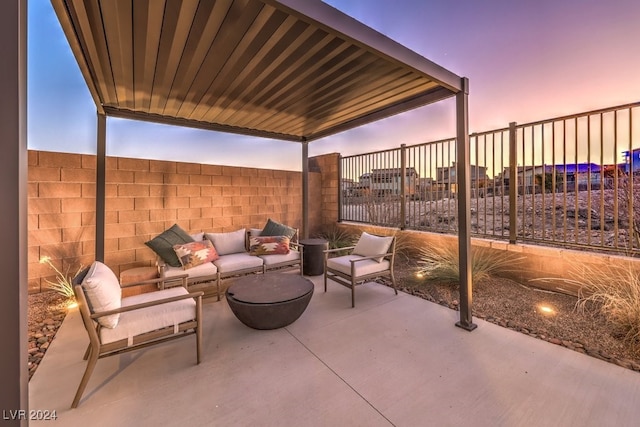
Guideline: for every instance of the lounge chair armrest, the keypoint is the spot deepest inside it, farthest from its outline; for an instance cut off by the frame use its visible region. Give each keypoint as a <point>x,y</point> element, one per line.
<point>159,280</point>
<point>196,295</point>
<point>370,257</point>
<point>346,248</point>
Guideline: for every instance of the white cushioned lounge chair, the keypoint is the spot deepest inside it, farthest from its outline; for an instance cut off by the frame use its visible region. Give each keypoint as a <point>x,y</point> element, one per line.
<point>116,325</point>
<point>371,257</point>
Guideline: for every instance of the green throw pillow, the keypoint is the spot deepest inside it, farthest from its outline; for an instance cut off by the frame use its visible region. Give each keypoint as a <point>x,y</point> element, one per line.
<point>163,243</point>
<point>274,228</point>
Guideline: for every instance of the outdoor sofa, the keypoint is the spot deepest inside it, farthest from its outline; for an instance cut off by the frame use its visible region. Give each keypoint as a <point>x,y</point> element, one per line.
<point>209,258</point>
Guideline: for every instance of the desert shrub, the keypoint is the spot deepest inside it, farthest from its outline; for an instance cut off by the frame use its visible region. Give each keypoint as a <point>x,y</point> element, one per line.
<point>383,209</point>
<point>441,263</point>
<point>338,237</point>
<point>615,291</point>
<point>629,197</point>
<point>547,178</point>
<point>64,281</point>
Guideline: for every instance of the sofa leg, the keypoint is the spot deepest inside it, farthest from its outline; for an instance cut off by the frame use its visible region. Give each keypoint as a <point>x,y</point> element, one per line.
<point>199,330</point>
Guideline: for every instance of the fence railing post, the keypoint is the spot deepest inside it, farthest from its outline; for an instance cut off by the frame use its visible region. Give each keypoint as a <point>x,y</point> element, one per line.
<point>389,185</point>
<point>403,184</point>
<point>513,183</point>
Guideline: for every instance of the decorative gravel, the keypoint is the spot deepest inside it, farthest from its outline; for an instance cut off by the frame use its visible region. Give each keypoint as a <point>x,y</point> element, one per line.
<point>518,307</point>
<point>45,315</point>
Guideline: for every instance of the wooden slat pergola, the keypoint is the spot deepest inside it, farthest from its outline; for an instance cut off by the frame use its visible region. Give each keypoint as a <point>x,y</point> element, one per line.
<point>295,70</point>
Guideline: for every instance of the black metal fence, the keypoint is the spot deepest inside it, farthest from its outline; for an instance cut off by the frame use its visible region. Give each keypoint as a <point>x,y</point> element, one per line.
<point>570,181</point>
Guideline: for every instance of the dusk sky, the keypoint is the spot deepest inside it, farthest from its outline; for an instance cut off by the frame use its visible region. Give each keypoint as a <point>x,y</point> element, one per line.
<point>526,60</point>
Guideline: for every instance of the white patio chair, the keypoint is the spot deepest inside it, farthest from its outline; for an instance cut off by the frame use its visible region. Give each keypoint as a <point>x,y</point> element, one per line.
<point>371,257</point>
<point>116,325</point>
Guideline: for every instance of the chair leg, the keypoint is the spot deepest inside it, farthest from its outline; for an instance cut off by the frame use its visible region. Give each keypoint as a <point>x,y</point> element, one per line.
<point>325,280</point>
<point>199,330</point>
<point>91,364</point>
<point>393,282</point>
<point>87,352</point>
<point>353,293</point>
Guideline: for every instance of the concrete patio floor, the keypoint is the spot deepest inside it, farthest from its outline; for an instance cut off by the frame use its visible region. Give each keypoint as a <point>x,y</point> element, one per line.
<point>391,360</point>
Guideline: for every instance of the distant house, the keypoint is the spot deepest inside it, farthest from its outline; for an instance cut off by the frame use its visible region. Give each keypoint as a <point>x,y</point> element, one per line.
<point>632,161</point>
<point>446,177</point>
<point>573,175</point>
<point>389,181</point>
<point>360,188</point>
<point>526,177</point>
<point>425,183</point>
<point>365,180</point>
<point>577,175</point>
<point>347,185</point>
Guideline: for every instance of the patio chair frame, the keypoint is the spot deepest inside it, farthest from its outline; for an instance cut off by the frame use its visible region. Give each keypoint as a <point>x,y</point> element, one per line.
<point>96,350</point>
<point>351,280</point>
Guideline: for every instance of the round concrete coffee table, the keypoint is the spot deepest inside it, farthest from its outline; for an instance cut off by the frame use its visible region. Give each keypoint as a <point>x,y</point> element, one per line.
<point>269,301</point>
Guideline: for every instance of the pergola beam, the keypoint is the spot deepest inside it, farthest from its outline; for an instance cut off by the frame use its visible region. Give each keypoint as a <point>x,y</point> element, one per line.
<point>430,97</point>
<point>328,17</point>
<point>294,70</point>
<point>194,124</point>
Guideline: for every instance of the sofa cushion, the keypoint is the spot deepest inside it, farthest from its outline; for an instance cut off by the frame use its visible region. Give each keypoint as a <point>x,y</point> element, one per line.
<point>198,237</point>
<point>269,245</point>
<point>273,228</point>
<point>228,243</point>
<point>103,293</point>
<point>368,266</point>
<point>293,255</point>
<point>208,270</point>
<point>236,262</point>
<point>369,245</point>
<point>149,319</point>
<point>253,232</point>
<point>163,243</point>
<point>195,253</point>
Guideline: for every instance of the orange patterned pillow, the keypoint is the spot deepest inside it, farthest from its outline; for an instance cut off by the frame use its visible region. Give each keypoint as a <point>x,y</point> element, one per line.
<point>195,253</point>
<point>269,245</point>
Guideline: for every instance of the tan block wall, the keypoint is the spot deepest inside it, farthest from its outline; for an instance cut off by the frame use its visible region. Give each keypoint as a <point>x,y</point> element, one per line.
<point>315,204</point>
<point>540,266</point>
<point>61,205</point>
<point>327,165</point>
<point>143,198</point>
